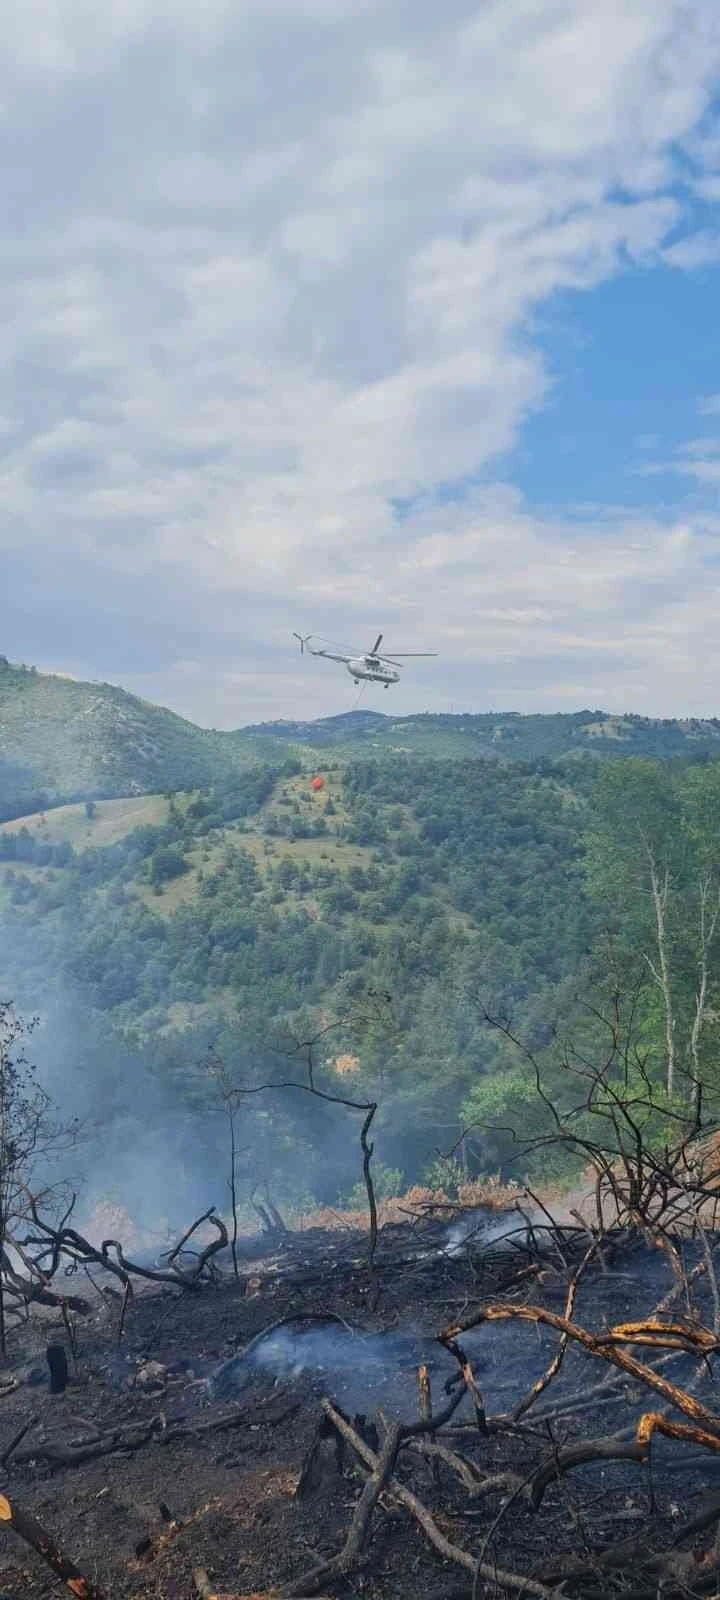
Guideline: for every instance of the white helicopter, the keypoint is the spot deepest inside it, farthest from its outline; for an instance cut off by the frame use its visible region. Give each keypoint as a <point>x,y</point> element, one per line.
<point>370,667</point>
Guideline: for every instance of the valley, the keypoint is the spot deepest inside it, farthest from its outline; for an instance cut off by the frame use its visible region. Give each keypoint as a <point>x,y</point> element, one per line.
<point>240,910</point>
<point>239,965</point>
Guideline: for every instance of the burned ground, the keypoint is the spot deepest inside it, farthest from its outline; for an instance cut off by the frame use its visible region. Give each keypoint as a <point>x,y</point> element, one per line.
<point>178,1448</point>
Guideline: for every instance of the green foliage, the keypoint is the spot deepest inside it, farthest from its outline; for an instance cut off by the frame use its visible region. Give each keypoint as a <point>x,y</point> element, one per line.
<point>166,863</point>
<point>504,1111</point>
<point>653,865</point>
<point>24,846</point>
<point>445,1173</point>
<point>449,884</point>
<point>387,1183</point>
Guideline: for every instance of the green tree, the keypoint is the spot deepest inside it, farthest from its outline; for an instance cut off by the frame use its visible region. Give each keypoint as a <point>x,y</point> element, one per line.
<point>165,864</point>
<point>653,864</point>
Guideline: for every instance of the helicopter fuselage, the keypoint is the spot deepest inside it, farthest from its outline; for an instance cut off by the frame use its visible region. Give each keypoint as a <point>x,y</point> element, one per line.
<point>372,669</point>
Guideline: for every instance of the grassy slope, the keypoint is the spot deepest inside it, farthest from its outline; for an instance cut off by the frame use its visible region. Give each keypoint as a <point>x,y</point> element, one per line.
<point>68,738</point>
<point>207,854</point>
<point>113,819</point>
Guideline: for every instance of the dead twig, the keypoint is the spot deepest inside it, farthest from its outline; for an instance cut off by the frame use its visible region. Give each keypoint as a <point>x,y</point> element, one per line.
<point>450,1551</point>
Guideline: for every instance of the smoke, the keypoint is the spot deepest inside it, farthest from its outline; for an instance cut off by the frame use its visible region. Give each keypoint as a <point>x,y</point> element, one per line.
<point>367,1371</point>
<point>479,1228</point>
<point>362,1370</point>
<point>132,1147</point>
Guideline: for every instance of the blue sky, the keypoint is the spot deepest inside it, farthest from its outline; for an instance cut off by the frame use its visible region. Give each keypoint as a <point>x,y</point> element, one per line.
<point>630,362</point>
<point>360,315</point>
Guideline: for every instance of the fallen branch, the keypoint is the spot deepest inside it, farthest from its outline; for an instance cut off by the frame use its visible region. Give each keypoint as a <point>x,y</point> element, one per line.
<point>672,1570</point>
<point>464,1469</point>
<point>340,1565</point>
<point>66,1243</point>
<point>29,1529</point>
<point>654,1422</point>
<point>469,1381</point>
<point>206,1591</point>
<point>451,1552</point>
<point>608,1346</point>
<point>155,1430</point>
<point>568,1456</point>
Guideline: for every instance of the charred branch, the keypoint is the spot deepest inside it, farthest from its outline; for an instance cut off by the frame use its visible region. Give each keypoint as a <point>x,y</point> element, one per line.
<point>33,1533</point>
<point>567,1457</point>
<point>411,1503</point>
<point>136,1435</point>
<point>608,1347</point>
<point>347,1558</point>
<point>56,1246</point>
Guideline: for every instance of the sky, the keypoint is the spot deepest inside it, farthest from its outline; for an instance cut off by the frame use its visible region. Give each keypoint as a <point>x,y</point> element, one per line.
<point>349,316</point>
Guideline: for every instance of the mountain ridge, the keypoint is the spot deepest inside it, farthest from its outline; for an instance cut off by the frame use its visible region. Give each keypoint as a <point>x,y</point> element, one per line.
<point>62,739</point>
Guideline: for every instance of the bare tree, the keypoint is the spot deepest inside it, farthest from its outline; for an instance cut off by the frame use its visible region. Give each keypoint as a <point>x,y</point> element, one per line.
<point>30,1138</point>
<point>660,967</point>
<point>709,913</point>
<point>229,1097</point>
<point>652,856</point>
<point>376,1012</point>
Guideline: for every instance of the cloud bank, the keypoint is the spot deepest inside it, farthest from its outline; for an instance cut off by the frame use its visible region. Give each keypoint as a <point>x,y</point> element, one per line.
<point>270,295</point>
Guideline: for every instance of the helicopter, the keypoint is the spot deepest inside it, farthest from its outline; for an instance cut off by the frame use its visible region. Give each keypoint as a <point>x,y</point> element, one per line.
<point>369,667</point>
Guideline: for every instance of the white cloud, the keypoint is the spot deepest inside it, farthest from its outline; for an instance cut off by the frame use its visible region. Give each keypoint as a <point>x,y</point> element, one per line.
<point>695,458</point>
<point>697,250</point>
<point>271,268</point>
<point>526,614</point>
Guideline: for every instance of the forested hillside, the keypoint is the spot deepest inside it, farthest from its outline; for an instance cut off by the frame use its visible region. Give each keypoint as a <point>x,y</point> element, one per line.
<point>240,909</point>
<point>504,736</point>
<point>426,920</point>
<point>257,912</point>
<point>61,740</point>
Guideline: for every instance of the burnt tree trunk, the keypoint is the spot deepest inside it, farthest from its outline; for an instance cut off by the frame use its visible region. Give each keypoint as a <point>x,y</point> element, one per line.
<point>57,1362</point>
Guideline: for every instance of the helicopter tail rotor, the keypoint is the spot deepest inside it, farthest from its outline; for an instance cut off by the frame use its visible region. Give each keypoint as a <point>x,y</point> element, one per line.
<point>303,640</point>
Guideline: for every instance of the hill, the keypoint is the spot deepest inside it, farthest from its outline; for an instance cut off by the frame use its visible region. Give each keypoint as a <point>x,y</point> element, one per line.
<point>159,933</point>
<point>507,736</point>
<point>235,916</point>
<point>63,740</point>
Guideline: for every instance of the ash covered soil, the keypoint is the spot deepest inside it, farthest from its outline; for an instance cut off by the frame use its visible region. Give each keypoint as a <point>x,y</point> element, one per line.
<point>220,1437</point>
